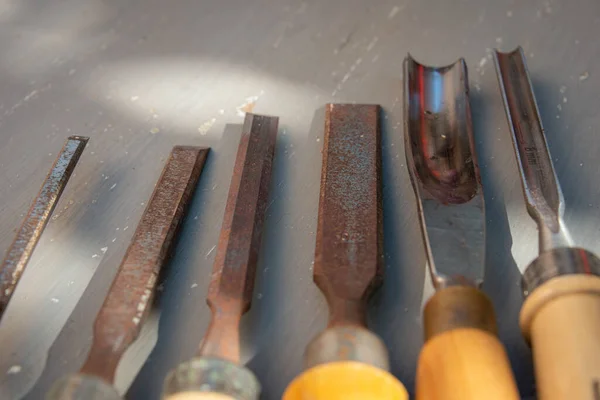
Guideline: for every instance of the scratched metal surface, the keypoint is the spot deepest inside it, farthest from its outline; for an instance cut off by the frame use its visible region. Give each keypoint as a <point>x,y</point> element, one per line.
<point>139,77</point>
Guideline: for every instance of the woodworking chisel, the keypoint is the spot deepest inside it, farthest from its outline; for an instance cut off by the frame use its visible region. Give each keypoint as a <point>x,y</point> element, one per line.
<point>128,301</point>
<point>347,361</point>
<point>462,358</point>
<point>561,313</point>
<point>216,372</point>
<point>21,249</point>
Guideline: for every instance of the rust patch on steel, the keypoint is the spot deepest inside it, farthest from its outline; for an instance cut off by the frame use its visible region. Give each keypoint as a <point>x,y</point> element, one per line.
<point>230,291</point>
<point>349,248</point>
<point>21,249</point>
<point>119,321</point>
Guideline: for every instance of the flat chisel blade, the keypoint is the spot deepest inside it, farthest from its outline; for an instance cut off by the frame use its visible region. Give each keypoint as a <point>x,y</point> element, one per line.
<point>27,237</point>
<point>349,247</point>
<point>230,290</point>
<point>119,320</point>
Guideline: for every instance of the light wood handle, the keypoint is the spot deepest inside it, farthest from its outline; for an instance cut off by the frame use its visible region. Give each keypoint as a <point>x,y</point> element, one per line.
<point>465,364</point>
<point>462,358</point>
<point>561,318</point>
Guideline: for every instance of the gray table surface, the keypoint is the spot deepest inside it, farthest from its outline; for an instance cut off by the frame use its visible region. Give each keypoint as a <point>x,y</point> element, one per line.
<point>141,76</point>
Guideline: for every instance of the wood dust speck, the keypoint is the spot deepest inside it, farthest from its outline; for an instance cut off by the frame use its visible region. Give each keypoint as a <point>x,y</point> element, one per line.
<point>13,370</point>
<point>205,127</point>
<point>247,106</point>
<point>395,10</point>
<point>210,251</point>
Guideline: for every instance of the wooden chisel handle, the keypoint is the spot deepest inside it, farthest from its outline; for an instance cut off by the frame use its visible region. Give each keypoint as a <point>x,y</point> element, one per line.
<point>345,380</point>
<point>346,362</point>
<point>561,318</point>
<point>462,358</point>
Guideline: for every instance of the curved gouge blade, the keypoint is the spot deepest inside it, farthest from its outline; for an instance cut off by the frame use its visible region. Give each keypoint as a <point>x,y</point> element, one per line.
<point>462,358</point>
<point>27,237</point>
<point>561,313</point>
<point>542,192</point>
<point>443,169</point>
<point>230,290</point>
<point>119,320</point>
<point>215,372</point>
<point>347,360</point>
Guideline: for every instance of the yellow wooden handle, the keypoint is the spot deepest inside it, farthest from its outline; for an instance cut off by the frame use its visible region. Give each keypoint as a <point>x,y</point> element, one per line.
<point>345,380</point>
<point>199,396</point>
<point>464,364</point>
<point>561,318</point>
<point>462,358</point>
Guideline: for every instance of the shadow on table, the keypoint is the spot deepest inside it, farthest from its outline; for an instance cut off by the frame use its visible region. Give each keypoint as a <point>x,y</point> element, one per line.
<point>502,275</point>
<point>258,332</point>
<point>395,312</point>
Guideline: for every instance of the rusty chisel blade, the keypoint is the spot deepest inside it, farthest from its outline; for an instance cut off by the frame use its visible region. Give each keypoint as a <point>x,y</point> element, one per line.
<point>348,263</point>
<point>230,290</point>
<point>349,248</point>
<point>119,320</point>
<point>27,237</point>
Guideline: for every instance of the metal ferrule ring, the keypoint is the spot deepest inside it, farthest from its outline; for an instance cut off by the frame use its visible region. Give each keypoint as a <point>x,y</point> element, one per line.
<point>347,343</point>
<point>559,262</point>
<point>213,375</point>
